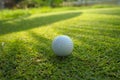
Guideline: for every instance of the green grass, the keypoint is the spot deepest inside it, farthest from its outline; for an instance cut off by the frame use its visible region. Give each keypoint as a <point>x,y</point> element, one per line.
<point>19,13</point>
<point>25,45</point>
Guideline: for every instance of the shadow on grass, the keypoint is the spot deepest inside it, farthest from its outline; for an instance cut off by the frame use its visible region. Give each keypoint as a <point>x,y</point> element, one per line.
<point>25,24</point>
<point>14,55</point>
<point>112,33</point>
<point>43,45</point>
<point>114,12</point>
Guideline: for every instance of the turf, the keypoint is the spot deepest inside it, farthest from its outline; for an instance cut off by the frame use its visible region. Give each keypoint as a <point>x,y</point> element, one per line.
<point>26,54</point>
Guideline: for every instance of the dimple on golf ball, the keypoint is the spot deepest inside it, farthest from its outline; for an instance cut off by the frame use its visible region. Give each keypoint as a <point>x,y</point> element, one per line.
<point>62,45</point>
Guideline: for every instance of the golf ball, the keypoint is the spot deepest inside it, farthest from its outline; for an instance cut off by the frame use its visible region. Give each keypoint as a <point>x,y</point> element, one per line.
<point>62,45</point>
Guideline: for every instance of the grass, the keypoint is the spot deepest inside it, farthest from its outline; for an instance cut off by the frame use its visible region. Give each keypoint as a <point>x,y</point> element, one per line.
<point>25,45</point>
<point>19,13</point>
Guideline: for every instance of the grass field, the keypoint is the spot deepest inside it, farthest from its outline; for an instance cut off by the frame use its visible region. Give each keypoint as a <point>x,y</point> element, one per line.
<point>25,45</point>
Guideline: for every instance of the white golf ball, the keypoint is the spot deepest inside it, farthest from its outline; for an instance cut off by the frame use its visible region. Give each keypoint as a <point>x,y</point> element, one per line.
<point>62,45</point>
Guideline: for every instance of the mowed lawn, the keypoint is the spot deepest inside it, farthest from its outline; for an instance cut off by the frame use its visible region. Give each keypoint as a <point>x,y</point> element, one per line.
<point>26,53</point>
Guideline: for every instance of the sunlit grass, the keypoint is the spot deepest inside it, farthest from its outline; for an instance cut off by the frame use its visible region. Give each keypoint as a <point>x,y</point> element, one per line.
<point>20,13</point>
<point>25,46</point>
